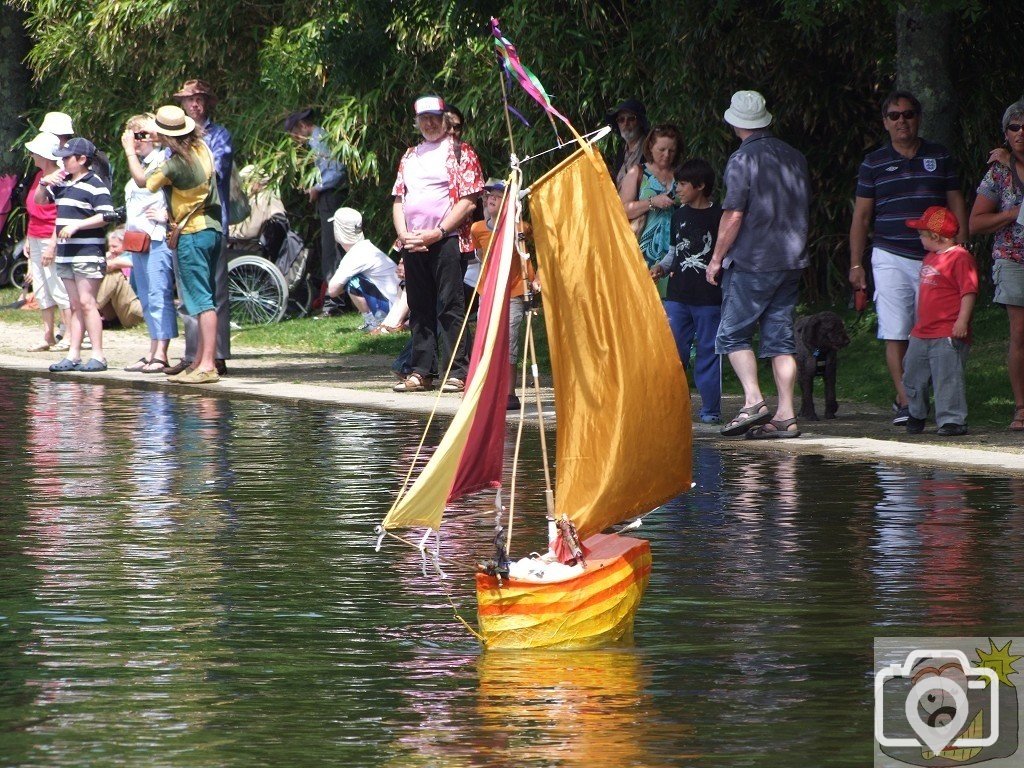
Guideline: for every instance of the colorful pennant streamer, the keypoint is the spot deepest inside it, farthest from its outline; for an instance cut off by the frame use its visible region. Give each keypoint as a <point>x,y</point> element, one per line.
<point>529,82</point>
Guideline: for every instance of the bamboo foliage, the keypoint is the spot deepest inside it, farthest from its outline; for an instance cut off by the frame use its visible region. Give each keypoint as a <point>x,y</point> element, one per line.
<point>823,67</point>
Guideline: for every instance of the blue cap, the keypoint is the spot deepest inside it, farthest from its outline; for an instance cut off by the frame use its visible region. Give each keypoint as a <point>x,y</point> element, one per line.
<point>77,146</point>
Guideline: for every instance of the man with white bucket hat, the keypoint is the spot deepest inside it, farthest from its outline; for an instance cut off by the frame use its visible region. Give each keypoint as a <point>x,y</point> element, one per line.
<point>759,259</point>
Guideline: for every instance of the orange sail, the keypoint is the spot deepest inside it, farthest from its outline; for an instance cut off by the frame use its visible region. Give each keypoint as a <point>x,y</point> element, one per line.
<point>621,395</point>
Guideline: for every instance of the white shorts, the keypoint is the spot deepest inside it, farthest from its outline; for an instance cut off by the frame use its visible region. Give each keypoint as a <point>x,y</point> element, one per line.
<point>896,281</point>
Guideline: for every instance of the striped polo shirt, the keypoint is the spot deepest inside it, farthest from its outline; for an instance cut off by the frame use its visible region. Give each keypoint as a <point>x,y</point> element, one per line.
<point>902,188</point>
<point>77,201</point>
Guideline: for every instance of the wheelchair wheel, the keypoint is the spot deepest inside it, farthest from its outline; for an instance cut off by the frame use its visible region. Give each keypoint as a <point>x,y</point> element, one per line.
<point>19,272</point>
<point>301,298</point>
<point>257,291</point>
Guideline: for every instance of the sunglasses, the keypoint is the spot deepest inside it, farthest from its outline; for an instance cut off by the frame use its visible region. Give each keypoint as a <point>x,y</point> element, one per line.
<point>906,114</point>
<point>626,117</point>
<point>142,136</point>
<point>456,126</point>
<point>1014,127</point>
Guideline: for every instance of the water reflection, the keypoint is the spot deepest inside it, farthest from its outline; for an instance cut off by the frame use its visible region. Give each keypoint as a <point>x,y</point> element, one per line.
<point>191,581</point>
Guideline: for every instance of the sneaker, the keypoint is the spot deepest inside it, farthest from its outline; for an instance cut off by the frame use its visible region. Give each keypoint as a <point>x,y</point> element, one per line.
<point>711,418</point>
<point>952,430</point>
<point>222,367</point>
<point>902,414</point>
<point>369,322</point>
<point>914,426</point>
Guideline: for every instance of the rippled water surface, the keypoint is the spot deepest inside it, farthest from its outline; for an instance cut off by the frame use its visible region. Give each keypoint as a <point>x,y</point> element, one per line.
<point>191,581</point>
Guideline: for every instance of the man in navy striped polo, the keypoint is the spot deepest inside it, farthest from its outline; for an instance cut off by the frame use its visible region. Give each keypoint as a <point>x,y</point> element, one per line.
<point>898,182</point>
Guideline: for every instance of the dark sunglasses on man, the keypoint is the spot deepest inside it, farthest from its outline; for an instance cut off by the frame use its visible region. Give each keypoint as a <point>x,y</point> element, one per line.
<point>906,114</point>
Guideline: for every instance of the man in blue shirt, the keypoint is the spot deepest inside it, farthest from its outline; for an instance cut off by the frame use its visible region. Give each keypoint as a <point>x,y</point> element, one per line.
<point>198,100</point>
<point>897,182</point>
<point>328,193</point>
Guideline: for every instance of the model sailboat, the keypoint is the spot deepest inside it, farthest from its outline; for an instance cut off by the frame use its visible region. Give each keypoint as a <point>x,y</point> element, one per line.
<point>623,440</point>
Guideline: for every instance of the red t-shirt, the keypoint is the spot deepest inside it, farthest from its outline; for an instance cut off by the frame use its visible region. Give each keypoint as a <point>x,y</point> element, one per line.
<point>41,218</point>
<point>946,277</point>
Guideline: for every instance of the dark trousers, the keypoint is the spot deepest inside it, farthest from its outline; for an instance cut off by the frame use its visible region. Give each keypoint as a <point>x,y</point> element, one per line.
<point>437,306</point>
<point>327,203</point>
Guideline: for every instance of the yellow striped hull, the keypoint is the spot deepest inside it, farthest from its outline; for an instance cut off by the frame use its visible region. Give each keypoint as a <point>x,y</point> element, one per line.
<point>591,610</point>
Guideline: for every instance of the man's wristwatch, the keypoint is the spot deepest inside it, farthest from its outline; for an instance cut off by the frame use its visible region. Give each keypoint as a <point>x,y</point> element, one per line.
<point>443,231</point>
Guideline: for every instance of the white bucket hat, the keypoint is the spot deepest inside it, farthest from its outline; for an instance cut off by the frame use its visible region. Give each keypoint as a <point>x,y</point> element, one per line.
<point>57,123</point>
<point>747,110</point>
<point>348,225</point>
<point>44,145</point>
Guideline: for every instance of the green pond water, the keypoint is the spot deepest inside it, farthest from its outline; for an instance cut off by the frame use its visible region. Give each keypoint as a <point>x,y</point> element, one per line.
<point>191,581</point>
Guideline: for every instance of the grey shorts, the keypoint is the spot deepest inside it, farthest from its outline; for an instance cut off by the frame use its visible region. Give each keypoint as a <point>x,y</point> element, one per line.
<point>752,300</point>
<point>1008,278</point>
<point>88,269</point>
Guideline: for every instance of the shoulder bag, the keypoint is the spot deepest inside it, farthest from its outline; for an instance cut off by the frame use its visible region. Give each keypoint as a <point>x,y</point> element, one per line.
<point>173,233</point>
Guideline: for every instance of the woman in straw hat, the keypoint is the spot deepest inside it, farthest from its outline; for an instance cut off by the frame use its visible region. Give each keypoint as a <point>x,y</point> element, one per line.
<point>152,267</point>
<point>195,219</point>
<point>41,244</point>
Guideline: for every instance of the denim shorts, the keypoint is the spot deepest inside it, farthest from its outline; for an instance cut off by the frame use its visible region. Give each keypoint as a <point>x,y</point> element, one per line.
<point>1008,277</point>
<point>752,300</point>
<point>93,270</point>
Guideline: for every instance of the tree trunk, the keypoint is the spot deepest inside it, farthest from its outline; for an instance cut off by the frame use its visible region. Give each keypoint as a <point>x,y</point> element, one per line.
<point>14,81</point>
<point>923,68</point>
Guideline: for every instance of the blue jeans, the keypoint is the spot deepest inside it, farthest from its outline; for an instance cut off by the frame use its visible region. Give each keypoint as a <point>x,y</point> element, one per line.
<point>153,274</point>
<point>697,326</point>
<point>758,300</point>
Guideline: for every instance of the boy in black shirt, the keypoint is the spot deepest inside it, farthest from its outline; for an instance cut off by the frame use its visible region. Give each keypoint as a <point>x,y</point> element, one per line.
<point>693,305</point>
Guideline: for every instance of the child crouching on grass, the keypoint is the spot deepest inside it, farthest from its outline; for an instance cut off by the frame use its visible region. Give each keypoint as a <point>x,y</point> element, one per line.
<point>941,338</point>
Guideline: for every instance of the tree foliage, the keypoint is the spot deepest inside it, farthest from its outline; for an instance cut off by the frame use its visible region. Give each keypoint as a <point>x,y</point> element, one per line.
<point>823,67</point>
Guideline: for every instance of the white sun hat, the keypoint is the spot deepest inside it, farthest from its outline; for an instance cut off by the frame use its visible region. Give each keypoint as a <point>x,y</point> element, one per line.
<point>44,145</point>
<point>57,123</point>
<point>747,110</point>
<point>348,225</point>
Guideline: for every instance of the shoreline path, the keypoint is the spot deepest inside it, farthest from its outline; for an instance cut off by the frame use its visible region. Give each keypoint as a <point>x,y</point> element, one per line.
<point>863,432</point>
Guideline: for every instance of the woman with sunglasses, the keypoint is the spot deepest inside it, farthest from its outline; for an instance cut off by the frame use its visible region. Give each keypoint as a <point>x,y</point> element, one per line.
<point>997,211</point>
<point>152,267</point>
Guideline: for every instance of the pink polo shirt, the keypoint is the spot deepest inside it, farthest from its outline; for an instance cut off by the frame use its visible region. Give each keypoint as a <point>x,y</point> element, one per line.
<point>426,199</point>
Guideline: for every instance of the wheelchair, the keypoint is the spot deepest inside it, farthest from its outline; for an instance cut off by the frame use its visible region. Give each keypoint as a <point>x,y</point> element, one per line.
<point>268,278</point>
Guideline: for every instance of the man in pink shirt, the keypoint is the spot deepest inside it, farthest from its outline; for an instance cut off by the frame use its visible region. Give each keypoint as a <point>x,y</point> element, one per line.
<point>435,193</point>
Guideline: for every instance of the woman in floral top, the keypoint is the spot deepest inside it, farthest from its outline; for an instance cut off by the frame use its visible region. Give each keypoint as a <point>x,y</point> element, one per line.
<point>997,210</point>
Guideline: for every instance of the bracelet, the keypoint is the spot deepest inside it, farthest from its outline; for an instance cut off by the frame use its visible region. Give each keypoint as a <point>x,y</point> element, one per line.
<point>443,231</point>
<point>856,266</point>
<point>650,204</point>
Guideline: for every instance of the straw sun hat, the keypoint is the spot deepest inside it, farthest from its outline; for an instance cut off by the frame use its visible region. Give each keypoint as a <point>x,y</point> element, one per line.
<point>172,121</point>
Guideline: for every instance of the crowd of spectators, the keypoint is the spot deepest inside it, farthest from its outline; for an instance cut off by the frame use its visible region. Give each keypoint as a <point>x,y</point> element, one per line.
<point>726,270</point>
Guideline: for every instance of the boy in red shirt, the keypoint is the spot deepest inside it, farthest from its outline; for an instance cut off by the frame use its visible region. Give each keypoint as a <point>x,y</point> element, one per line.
<point>941,338</point>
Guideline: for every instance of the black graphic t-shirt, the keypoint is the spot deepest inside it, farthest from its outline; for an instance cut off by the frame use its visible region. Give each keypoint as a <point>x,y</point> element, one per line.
<point>693,235</point>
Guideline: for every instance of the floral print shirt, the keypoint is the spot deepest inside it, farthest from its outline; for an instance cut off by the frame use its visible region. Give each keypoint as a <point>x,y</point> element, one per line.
<point>998,186</point>
<point>465,179</point>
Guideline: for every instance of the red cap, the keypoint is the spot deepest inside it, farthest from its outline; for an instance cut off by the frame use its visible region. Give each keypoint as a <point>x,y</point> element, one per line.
<point>937,219</point>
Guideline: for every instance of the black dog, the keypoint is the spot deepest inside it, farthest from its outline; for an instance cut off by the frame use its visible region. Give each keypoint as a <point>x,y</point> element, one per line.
<point>818,341</point>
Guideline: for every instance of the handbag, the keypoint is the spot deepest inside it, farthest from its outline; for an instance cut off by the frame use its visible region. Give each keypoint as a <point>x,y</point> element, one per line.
<point>136,242</point>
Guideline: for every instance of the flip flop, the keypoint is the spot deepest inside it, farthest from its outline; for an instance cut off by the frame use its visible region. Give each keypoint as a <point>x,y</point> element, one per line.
<point>749,416</point>
<point>156,365</point>
<point>780,430</point>
<point>138,365</point>
<point>43,347</point>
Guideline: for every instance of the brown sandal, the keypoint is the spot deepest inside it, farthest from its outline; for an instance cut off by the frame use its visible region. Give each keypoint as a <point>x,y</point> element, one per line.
<point>414,382</point>
<point>1017,425</point>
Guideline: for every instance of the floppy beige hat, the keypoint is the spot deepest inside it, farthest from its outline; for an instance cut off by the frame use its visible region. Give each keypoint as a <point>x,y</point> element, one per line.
<point>172,121</point>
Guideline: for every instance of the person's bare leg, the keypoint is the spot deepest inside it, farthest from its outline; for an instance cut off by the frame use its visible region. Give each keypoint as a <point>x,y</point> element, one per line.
<point>745,365</point>
<point>1015,356</point>
<point>784,370</point>
<point>49,334</point>
<point>87,288</point>
<point>895,351</point>
<point>206,353</point>
<point>359,303</point>
<point>158,349</point>
<point>74,325</point>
